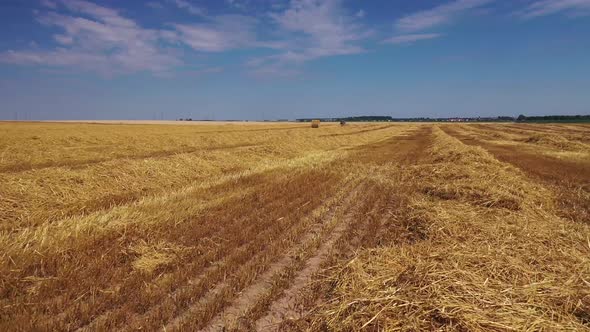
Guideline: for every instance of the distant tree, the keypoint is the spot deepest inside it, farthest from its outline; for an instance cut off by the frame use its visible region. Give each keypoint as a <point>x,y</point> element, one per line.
<point>555,118</point>
<point>505,118</point>
<point>521,118</point>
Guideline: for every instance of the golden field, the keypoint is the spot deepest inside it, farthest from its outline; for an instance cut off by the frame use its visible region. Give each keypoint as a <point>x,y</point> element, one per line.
<point>278,226</point>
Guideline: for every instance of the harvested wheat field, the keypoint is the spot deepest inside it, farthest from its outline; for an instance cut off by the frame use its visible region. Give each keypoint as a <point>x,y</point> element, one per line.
<point>279,227</point>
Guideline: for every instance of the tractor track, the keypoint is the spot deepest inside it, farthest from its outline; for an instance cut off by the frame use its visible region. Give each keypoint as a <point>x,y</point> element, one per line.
<point>251,293</point>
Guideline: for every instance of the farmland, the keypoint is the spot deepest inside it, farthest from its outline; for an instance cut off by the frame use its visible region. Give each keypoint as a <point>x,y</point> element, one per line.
<point>279,226</point>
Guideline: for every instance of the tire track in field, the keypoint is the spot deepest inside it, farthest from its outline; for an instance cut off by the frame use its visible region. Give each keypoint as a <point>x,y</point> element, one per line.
<point>249,296</point>
<point>253,236</point>
<point>212,294</point>
<point>285,307</point>
<point>222,266</point>
<point>406,150</point>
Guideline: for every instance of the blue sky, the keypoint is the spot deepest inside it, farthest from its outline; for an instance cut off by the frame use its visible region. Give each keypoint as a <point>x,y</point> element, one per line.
<point>277,59</point>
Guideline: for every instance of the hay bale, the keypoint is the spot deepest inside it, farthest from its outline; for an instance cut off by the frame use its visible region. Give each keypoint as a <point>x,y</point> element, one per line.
<point>315,123</point>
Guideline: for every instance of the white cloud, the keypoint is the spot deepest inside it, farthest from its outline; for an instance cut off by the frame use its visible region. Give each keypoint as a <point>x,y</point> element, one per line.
<point>311,29</point>
<point>223,33</point>
<point>437,16</point>
<point>103,41</point>
<point>205,71</point>
<point>154,5</point>
<point>239,4</point>
<point>108,16</point>
<point>183,4</point>
<point>49,4</point>
<point>59,57</point>
<point>549,7</point>
<point>274,70</point>
<point>327,30</point>
<point>410,27</point>
<point>410,38</point>
<point>64,39</point>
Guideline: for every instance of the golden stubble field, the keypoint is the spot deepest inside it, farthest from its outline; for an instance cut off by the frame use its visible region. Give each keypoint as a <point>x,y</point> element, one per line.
<point>275,227</point>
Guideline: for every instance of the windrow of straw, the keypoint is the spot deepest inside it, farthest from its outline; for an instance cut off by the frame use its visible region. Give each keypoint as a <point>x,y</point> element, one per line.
<point>71,170</point>
<point>563,167</point>
<point>556,141</point>
<point>493,255</point>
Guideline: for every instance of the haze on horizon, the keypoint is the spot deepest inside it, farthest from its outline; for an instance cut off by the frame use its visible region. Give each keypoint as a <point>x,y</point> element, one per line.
<point>286,59</point>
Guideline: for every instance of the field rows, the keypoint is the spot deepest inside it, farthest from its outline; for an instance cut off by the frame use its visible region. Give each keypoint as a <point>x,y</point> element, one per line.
<point>284,227</point>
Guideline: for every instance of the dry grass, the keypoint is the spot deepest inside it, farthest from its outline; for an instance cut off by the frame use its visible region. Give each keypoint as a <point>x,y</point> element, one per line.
<point>401,227</point>
<point>106,165</point>
<point>493,256</point>
<point>153,256</point>
<point>565,172</point>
